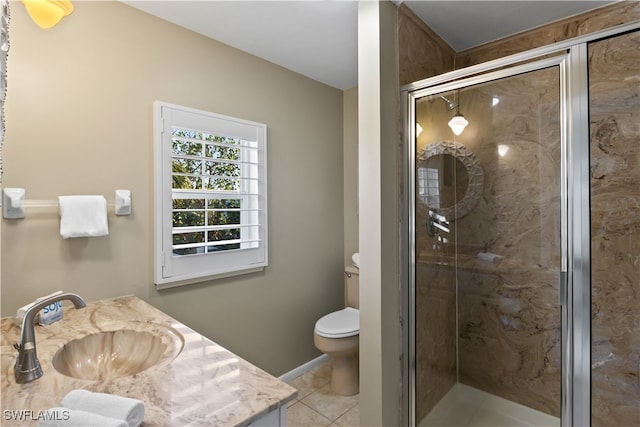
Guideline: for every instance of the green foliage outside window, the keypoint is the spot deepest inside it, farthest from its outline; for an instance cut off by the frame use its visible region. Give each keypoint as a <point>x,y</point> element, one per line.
<point>203,161</point>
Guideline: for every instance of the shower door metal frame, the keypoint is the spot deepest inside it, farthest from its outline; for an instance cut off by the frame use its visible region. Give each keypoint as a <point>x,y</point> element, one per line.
<point>559,61</point>
<point>575,270</point>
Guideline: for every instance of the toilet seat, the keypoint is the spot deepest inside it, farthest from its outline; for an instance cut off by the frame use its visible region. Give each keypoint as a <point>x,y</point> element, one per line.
<point>339,324</point>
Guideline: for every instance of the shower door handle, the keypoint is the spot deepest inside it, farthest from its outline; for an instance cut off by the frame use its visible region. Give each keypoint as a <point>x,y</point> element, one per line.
<point>563,288</point>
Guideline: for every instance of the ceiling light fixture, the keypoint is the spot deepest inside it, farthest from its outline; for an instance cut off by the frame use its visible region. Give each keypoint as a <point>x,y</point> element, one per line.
<point>458,122</point>
<point>47,13</point>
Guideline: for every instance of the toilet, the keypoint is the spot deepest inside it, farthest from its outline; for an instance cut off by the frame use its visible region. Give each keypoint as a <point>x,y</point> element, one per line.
<point>337,334</point>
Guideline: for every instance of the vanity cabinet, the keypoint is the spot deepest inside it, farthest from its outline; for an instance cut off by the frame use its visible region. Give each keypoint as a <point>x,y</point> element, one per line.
<point>277,417</point>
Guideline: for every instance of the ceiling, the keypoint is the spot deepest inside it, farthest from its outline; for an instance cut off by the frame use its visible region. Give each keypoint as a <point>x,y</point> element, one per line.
<point>319,38</point>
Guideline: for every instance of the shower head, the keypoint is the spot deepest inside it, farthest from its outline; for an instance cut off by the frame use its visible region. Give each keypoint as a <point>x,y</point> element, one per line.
<point>452,105</point>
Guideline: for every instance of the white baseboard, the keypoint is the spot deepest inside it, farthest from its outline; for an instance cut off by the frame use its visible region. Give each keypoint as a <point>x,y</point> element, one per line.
<point>296,372</point>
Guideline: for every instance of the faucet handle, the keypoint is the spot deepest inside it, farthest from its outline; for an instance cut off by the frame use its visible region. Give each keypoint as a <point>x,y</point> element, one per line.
<point>27,366</point>
<point>17,346</point>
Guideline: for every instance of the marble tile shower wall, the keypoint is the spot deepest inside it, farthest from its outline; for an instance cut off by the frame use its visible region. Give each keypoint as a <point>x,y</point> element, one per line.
<point>620,12</point>
<point>436,361</point>
<point>614,90</point>
<point>508,314</point>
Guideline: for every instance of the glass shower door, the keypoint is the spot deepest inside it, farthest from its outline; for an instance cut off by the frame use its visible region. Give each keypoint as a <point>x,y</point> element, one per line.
<point>489,251</point>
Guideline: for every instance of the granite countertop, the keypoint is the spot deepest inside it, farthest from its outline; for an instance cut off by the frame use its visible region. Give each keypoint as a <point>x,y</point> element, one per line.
<point>204,385</point>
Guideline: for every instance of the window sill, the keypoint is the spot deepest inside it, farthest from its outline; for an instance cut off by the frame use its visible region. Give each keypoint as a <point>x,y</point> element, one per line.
<point>172,283</point>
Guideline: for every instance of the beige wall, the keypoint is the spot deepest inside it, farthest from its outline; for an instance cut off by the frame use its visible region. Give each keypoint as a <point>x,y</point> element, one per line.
<point>379,215</point>
<point>79,114</point>
<point>350,154</point>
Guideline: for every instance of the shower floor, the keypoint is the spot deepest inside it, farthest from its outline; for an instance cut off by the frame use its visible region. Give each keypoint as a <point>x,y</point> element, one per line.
<point>465,406</point>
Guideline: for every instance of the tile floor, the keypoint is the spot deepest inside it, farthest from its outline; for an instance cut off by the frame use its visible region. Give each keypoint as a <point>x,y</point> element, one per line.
<point>317,406</point>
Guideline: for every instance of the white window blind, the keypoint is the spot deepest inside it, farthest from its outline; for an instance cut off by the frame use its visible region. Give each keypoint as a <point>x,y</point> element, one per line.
<point>211,217</point>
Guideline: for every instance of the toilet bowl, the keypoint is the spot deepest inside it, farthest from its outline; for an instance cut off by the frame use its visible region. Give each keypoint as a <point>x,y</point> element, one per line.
<point>337,334</point>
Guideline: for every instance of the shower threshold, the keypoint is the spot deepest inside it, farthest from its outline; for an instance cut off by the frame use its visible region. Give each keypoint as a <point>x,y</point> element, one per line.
<point>465,406</point>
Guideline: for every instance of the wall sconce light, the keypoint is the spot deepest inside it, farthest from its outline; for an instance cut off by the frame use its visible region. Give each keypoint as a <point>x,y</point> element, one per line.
<point>458,122</point>
<point>47,13</point>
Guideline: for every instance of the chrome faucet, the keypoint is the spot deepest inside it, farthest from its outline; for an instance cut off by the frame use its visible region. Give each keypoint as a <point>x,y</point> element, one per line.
<point>27,367</point>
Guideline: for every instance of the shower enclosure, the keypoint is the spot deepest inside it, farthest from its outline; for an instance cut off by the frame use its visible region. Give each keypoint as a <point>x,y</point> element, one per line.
<point>516,226</point>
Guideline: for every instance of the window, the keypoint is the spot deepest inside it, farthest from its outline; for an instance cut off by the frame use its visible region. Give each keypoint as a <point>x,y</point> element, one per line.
<point>429,186</point>
<point>210,195</point>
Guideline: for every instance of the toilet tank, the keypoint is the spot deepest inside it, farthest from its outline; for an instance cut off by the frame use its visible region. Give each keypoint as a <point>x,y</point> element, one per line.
<point>352,286</point>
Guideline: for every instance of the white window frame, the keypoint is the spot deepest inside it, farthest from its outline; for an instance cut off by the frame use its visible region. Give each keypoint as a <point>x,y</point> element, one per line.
<point>175,270</point>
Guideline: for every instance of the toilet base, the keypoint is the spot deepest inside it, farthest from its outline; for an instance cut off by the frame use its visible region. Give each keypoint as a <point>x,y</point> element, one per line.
<point>345,379</point>
<point>344,375</point>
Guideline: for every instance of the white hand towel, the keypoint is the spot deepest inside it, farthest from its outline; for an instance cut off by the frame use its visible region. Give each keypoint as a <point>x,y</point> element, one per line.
<point>83,216</point>
<point>65,417</point>
<point>108,405</point>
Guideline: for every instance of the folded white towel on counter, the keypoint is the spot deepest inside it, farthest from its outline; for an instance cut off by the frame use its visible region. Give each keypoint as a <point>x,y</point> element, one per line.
<point>65,417</point>
<point>83,216</point>
<point>108,405</point>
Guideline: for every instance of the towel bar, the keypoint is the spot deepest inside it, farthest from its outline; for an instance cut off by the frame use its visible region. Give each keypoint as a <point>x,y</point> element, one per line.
<point>14,203</point>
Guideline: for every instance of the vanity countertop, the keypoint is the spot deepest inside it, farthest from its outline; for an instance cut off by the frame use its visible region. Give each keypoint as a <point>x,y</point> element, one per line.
<point>204,385</point>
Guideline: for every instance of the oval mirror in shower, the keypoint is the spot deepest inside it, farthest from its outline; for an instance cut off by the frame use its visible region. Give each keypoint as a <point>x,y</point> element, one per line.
<point>449,179</point>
